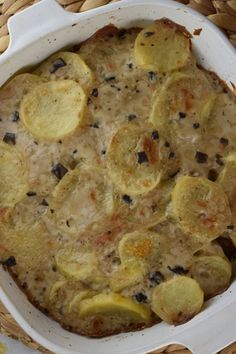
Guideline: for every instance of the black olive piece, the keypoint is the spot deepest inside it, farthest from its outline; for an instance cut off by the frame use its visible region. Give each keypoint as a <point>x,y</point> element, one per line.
<point>219,160</point>
<point>9,262</point>
<point>167,144</point>
<point>94,125</point>
<point>155,135</point>
<point>44,202</point>
<point>67,223</point>
<point>212,175</point>
<point>59,170</point>
<point>57,64</point>
<point>31,194</point>
<point>121,34</point>
<point>201,157</point>
<point>182,115</point>
<point>149,34</point>
<point>110,78</point>
<point>10,138</point>
<point>230,227</point>
<point>196,125</point>
<point>75,151</point>
<point>131,117</point>
<point>141,297</point>
<point>15,116</point>
<point>156,277</point>
<point>178,270</point>
<point>152,77</point>
<point>103,152</point>
<point>142,157</point>
<point>228,247</point>
<point>171,155</point>
<point>130,65</point>
<point>126,198</point>
<point>224,141</point>
<point>94,92</point>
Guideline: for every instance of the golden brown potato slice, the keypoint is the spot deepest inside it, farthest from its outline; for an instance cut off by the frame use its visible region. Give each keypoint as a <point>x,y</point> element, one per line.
<point>81,199</point>
<point>155,41</point>
<point>126,276</point>
<point>177,300</point>
<point>53,110</point>
<point>55,289</point>
<point>75,302</point>
<point>133,160</point>
<point>213,273</point>
<point>64,66</point>
<point>182,93</point>
<point>110,303</point>
<point>141,248</point>
<point>201,207</point>
<point>13,176</point>
<point>80,263</point>
<point>13,91</point>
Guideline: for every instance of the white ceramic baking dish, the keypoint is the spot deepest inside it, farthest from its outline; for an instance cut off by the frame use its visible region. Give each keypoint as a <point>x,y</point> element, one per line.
<point>35,34</point>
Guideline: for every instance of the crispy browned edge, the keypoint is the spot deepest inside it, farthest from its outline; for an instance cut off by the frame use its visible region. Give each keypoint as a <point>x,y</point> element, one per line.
<point>110,31</point>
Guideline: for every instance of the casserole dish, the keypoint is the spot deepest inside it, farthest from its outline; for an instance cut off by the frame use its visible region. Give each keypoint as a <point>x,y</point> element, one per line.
<point>58,32</point>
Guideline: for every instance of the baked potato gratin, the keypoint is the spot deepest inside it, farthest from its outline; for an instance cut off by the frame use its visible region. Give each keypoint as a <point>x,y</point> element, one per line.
<point>118,181</point>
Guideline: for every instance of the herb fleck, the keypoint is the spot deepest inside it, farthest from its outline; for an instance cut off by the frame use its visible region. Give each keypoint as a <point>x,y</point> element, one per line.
<point>94,93</point>
<point>196,125</point>
<point>156,277</point>
<point>201,157</point>
<point>131,117</point>
<point>155,135</point>
<point>15,116</point>
<point>126,198</point>
<point>212,175</point>
<point>31,194</point>
<point>219,160</point>
<point>10,138</point>
<point>182,115</point>
<point>178,270</point>
<point>9,262</point>
<point>141,297</point>
<point>59,170</point>
<point>59,63</point>
<point>224,141</point>
<point>142,157</point>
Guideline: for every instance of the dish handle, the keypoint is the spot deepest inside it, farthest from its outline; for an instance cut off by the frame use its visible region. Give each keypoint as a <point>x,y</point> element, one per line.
<point>34,22</point>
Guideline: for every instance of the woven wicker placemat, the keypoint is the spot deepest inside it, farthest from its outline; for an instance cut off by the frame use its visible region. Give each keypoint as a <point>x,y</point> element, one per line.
<point>221,12</point>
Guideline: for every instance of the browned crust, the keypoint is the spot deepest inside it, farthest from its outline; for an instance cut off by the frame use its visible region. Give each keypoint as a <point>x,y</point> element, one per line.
<point>176,26</point>
<point>197,31</point>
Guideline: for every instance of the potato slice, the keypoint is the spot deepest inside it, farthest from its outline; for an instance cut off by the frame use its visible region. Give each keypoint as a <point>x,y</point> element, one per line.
<point>182,92</point>
<point>13,176</point>
<point>64,66</point>
<point>201,207</point>
<point>110,303</point>
<point>141,248</point>
<point>155,41</point>
<point>177,300</point>
<point>133,160</point>
<point>80,200</point>
<point>227,177</point>
<point>80,263</point>
<point>13,91</point>
<point>55,289</point>
<point>213,273</point>
<point>53,110</point>
<point>126,277</point>
<point>75,302</point>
